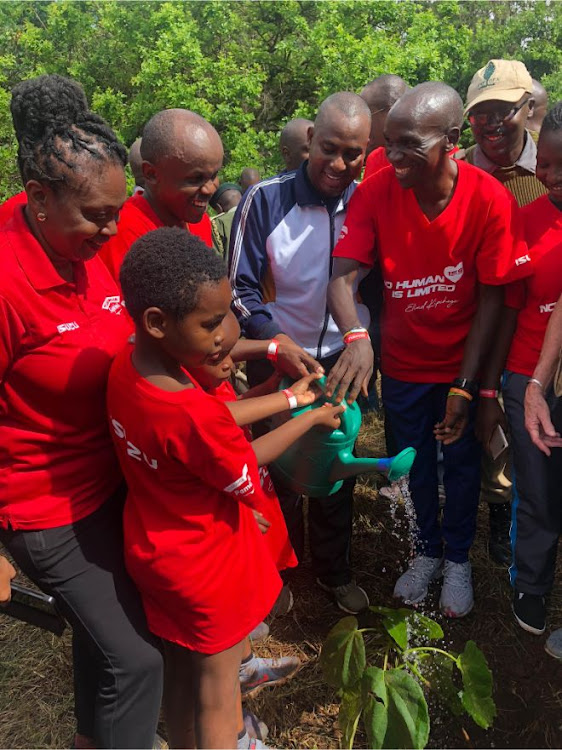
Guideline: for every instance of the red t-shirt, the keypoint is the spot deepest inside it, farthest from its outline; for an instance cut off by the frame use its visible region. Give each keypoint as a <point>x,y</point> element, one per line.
<point>375,162</point>
<point>136,219</point>
<point>277,536</point>
<point>543,231</point>
<point>192,544</point>
<point>431,268</point>
<point>8,207</point>
<point>57,341</point>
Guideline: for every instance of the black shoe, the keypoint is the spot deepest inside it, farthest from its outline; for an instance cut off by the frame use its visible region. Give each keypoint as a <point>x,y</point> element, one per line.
<point>499,544</point>
<point>530,612</point>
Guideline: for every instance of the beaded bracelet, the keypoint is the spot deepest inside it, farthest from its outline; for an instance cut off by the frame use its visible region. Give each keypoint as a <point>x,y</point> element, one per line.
<point>459,392</point>
<point>291,398</point>
<point>272,350</point>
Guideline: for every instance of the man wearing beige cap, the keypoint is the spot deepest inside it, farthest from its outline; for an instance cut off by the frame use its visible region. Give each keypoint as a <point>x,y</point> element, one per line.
<point>499,105</point>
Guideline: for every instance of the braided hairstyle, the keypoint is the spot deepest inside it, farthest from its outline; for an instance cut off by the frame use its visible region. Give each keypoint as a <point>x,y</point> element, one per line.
<point>553,120</point>
<point>55,129</point>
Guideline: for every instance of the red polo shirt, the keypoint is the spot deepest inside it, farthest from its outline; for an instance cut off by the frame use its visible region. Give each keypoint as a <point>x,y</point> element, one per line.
<point>57,341</point>
<point>431,268</point>
<point>136,219</point>
<point>8,207</point>
<point>540,292</point>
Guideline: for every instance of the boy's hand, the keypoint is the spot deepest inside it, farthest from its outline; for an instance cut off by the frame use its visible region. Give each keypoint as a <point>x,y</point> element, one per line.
<point>328,416</point>
<point>263,523</point>
<point>305,390</point>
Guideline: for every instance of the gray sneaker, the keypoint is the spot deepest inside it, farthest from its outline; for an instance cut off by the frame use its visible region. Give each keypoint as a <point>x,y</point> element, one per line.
<point>412,585</point>
<point>553,645</point>
<point>349,597</point>
<point>457,598</point>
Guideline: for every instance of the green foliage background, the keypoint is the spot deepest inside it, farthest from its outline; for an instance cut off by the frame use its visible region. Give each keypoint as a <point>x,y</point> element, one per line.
<point>250,66</point>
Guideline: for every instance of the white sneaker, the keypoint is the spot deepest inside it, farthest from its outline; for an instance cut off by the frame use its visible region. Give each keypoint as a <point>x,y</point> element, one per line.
<point>457,597</point>
<point>412,585</point>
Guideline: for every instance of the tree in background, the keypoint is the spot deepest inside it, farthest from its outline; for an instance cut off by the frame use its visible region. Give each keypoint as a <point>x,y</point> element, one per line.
<point>249,67</point>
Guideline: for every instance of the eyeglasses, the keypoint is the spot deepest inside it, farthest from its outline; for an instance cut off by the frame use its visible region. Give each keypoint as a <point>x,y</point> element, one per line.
<point>484,117</point>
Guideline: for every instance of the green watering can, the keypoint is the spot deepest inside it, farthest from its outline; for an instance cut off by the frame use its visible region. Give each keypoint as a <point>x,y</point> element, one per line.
<point>318,462</point>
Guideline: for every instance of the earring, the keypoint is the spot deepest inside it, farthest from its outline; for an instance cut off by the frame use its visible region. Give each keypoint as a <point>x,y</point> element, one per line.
<point>41,216</point>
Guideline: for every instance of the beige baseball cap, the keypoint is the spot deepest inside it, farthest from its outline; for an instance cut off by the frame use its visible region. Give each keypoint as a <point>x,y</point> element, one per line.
<point>505,80</point>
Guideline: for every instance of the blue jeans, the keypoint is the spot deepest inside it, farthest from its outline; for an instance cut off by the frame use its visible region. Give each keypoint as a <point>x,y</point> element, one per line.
<point>412,410</point>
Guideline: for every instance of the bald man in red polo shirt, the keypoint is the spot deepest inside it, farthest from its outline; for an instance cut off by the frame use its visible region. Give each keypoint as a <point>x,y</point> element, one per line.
<point>181,157</point>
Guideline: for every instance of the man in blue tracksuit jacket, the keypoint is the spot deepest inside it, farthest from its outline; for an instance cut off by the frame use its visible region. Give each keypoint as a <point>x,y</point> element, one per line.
<point>281,246</point>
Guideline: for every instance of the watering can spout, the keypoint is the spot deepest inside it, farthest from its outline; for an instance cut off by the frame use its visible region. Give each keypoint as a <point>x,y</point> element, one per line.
<point>346,465</point>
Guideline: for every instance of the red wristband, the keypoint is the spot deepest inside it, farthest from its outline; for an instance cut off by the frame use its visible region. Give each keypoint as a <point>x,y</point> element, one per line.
<point>291,398</point>
<point>272,350</point>
<point>355,336</point>
<point>488,393</point>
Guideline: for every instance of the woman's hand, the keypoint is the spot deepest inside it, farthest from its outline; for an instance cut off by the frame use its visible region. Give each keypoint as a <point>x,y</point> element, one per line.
<point>292,359</point>
<point>262,522</point>
<point>7,572</point>
<point>488,416</point>
<point>454,422</point>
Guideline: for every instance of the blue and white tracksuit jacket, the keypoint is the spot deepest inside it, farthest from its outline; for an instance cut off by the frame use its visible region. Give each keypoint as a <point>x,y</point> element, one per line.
<point>280,262</point>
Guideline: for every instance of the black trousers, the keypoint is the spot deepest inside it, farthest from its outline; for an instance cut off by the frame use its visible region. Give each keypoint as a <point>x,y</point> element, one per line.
<point>536,511</point>
<point>329,518</point>
<point>117,662</point>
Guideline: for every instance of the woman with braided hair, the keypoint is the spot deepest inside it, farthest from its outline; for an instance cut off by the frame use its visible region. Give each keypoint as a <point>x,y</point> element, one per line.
<point>61,323</point>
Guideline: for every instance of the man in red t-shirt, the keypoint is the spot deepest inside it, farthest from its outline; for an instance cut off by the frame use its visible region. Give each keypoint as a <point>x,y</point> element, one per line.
<point>181,157</point>
<point>446,236</point>
<point>380,95</point>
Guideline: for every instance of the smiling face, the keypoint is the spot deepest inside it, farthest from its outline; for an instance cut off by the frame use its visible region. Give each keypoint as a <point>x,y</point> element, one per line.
<point>180,184</point>
<point>499,128</point>
<point>220,366</point>
<point>417,147</point>
<point>336,151</point>
<point>197,338</point>
<point>549,164</point>
<point>80,217</point>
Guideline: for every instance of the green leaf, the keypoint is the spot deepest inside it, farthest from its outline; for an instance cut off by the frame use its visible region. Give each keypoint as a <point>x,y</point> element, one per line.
<point>477,683</point>
<point>405,626</point>
<point>375,710</point>
<point>343,654</point>
<point>408,717</point>
<point>349,714</point>
<point>394,709</point>
<point>438,671</point>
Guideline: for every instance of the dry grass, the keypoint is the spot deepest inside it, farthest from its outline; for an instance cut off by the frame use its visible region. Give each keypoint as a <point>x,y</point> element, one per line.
<point>36,676</point>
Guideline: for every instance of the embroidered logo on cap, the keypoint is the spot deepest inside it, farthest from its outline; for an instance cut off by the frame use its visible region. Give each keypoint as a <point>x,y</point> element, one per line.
<point>489,71</point>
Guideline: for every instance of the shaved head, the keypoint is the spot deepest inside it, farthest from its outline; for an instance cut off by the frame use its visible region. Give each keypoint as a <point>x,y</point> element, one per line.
<point>293,142</point>
<point>431,105</point>
<point>173,131</point>
<point>346,103</point>
<point>380,95</point>
<point>182,154</point>
<point>249,176</point>
<point>384,91</point>
<point>135,162</point>
<point>539,110</point>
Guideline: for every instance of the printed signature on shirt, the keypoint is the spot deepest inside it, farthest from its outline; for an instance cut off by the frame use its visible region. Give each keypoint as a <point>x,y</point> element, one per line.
<point>430,304</point>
